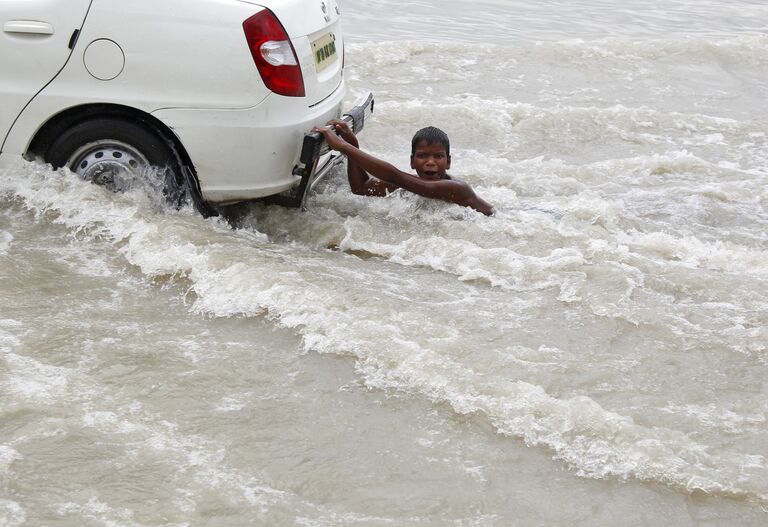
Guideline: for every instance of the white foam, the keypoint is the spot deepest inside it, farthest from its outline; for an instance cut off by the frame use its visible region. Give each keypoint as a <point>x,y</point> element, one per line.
<point>101,512</point>
<point>83,260</point>
<point>6,238</point>
<point>498,266</point>
<point>11,513</point>
<point>714,417</point>
<point>7,456</point>
<point>231,404</point>
<point>34,381</point>
<point>107,421</point>
<point>692,252</point>
<point>743,49</point>
<point>8,339</point>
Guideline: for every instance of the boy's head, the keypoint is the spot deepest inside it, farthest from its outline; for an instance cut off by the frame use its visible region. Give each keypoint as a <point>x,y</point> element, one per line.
<point>431,135</point>
<point>430,153</point>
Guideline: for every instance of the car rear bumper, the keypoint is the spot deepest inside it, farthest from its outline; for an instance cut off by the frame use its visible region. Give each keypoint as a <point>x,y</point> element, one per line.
<point>250,153</point>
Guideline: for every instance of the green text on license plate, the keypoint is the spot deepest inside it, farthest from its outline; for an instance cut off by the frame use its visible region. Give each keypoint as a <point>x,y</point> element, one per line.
<point>324,50</point>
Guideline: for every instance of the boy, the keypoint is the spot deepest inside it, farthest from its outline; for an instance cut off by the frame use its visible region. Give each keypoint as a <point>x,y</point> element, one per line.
<point>430,158</point>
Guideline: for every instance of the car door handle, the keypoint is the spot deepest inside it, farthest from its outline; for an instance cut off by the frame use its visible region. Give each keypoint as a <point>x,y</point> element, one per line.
<point>28,26</point>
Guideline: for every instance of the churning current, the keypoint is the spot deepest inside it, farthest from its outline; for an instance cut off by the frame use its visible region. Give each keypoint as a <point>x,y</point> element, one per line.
<point>595,353</point>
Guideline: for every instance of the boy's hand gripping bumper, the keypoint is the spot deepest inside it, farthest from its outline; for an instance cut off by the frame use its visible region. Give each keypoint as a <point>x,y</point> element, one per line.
<point>313,148</point>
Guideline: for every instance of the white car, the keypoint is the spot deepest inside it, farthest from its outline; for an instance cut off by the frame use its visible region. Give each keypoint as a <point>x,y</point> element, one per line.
<point>218,92</point>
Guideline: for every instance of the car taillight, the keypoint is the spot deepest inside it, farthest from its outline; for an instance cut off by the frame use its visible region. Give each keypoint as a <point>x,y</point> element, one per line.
<point>273,54</point>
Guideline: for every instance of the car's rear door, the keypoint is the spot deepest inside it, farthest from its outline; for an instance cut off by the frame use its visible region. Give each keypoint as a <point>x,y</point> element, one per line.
<point>34,47</point>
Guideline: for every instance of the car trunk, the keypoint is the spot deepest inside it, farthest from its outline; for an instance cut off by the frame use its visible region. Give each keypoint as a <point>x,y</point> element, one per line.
<point>315,30</point>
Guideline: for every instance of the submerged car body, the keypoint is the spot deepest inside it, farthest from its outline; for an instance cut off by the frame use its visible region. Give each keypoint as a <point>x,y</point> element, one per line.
<point>227,87</point>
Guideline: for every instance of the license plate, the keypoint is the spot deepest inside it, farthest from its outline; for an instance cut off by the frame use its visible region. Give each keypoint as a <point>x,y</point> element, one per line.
<point>324,51</point>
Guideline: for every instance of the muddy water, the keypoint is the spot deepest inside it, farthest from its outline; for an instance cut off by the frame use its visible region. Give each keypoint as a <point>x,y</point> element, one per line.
<point>593,354</point>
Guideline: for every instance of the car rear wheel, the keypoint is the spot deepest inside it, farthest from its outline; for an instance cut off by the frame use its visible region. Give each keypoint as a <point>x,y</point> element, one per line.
<point>119,154</point>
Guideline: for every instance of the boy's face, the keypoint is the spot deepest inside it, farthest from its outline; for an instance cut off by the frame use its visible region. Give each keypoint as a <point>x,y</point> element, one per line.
<point>430,161</point>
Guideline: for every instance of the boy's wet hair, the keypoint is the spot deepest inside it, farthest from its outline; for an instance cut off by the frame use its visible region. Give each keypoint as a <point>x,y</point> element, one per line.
<point>431,135</point>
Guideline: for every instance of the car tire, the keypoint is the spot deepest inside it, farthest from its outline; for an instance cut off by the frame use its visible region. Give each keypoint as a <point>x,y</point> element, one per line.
<point>118,154</point>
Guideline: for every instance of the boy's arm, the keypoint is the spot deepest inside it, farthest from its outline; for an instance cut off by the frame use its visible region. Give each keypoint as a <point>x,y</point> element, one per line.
<point>372,165</point>
<point>452,191</point>
<point>359,181</point>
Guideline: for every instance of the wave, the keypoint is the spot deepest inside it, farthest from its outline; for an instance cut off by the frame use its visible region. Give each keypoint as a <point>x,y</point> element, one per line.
<point>694,253</point>
<point>493,126</point>
<point>749,50</point>
<point>338,304</point>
